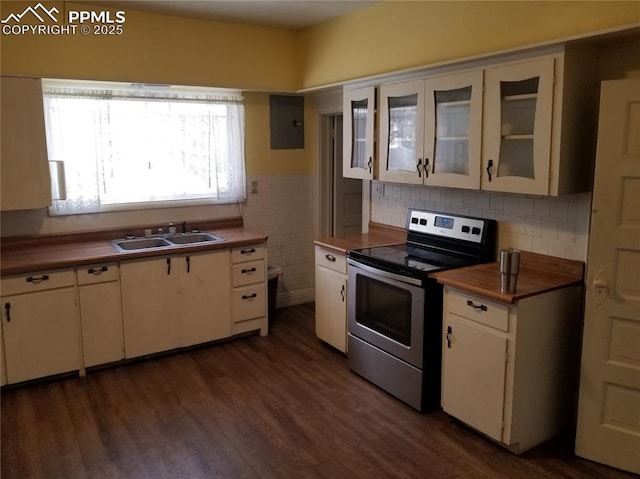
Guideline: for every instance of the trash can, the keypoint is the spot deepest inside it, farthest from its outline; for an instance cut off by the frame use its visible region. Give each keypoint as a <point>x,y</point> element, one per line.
<point>272,286</point>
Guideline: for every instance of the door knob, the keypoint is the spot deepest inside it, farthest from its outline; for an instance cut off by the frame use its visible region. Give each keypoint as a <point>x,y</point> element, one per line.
<point>600,287</point>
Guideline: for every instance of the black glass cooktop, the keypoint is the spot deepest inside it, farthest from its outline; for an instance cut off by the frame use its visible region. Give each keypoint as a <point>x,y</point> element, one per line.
<point>409,258</point>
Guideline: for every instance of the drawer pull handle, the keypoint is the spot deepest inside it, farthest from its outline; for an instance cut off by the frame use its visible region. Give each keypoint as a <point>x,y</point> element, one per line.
<point>248,251</point>
<point>249,296</point>
<point>38,279</point>
<point>479,307</point>
<point>97,271</point>
<point>7,308</point>
<point>330,258</point>
<point>249,271</point>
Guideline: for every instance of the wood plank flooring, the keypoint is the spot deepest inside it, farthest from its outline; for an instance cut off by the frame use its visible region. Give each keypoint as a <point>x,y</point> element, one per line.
<point>283,406</point>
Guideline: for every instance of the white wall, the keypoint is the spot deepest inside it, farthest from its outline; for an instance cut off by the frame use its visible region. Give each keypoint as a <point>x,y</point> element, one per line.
<point>546,225</point>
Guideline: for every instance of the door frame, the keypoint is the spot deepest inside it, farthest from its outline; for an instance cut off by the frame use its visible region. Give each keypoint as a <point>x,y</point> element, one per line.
<point>325,106</point>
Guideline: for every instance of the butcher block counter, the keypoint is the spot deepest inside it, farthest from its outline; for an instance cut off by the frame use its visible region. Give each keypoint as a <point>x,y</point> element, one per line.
<point>378,235</point>
<point>538,274</point>
<point>27,254</point>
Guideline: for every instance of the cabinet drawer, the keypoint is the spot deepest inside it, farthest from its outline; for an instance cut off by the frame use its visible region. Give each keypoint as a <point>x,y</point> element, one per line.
<point>476,308</point>
<point>98,273</point>
<point>331,259</point>
<point>247,253</point>
<point>248,273</point>
<point>40,281</point>
<point>248,303</point>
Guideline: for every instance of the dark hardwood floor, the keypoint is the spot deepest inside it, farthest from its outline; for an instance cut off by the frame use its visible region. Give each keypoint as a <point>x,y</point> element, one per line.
<point>283,406</point>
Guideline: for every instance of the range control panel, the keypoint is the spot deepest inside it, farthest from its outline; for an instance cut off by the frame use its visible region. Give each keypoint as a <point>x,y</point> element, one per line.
<point>445,225</point>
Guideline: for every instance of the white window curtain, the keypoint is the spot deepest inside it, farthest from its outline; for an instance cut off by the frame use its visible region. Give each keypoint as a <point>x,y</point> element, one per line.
<point>128,147</point>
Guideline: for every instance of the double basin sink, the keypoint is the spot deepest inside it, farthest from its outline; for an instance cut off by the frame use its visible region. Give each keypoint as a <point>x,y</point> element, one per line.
<point>184,239</point>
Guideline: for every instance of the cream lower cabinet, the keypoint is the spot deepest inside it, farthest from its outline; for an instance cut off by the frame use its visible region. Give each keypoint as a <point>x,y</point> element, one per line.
<point>40,325</point>
<point>100,313</point>
<point>175,301</point>
<point>249,292</point>
<point>3,369</point>
<point>510,371</point>
<point>331,298</point>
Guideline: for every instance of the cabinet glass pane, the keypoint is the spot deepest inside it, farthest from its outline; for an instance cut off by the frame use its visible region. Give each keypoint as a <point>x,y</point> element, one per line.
<point>517,113</point>
<point>402,154</point>
<point>451,153</point>
<point>359,132</point>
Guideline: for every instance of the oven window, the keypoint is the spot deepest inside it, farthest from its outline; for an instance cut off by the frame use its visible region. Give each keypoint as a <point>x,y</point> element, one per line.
<point>384,308</point>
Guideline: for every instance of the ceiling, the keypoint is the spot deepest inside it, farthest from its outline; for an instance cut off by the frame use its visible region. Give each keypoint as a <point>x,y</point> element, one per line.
<point>289,14</point>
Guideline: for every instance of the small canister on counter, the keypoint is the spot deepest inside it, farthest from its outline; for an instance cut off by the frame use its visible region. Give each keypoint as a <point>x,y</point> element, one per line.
<point>509,268</point>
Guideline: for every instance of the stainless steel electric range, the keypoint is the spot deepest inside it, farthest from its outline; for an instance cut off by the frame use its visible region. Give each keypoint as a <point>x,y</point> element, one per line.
<point>395,308</point>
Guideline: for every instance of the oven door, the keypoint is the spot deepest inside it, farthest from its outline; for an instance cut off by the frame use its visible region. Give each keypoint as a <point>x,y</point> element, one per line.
<point>386,310</point>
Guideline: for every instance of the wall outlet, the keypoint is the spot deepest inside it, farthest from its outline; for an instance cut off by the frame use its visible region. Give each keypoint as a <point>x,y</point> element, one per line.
<point>254,186</point>
<point>378,189</point>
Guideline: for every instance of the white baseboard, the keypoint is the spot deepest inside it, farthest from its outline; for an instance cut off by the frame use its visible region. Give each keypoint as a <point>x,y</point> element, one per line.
<point>291,298</point>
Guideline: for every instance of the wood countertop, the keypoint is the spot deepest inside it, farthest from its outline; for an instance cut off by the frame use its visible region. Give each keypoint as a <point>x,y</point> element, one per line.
<point>24,255</point>
<point>538,274</point>
<point>378,235</point>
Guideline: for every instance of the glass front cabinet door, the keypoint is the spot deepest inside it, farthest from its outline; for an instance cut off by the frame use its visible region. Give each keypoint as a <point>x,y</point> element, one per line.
<point>453,130</point>
<point>358,133</point>
<point>401,132</point>
<point>517,127</point>
<point>430,131</point>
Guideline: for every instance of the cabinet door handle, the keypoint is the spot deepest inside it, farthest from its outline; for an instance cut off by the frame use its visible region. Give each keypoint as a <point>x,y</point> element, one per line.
<point>7,308</point>
<point>249,271</point>
<point>448,336</point>
<point>419,167</point>
<point>342,292</point>
<point>38,279</point>
<point>248,251</point>
<point>490,168</point>
<point>330,258</point>
<point>188,260</point>
<point>480,307</point>
<point>249,296</point>
<point>168,265</point>
<point>97,271</point>
<point>426,168</point>
<point>370,163</point>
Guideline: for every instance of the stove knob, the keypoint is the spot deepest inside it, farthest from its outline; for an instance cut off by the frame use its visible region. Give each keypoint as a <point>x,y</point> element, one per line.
<point>423,221</point>
<point>465,229</point>
<point>475,230</point>
<point>414,221</point>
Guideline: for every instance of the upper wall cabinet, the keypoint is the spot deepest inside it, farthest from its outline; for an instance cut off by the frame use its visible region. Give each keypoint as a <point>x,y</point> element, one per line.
<point>25,176</point>
<point>538,130</point>
<point>358,133</point>
<point>522,126</point>
<point>430,131</point>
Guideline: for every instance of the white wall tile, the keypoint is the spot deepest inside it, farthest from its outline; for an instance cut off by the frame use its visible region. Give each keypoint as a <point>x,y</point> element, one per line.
<point>553,226</point>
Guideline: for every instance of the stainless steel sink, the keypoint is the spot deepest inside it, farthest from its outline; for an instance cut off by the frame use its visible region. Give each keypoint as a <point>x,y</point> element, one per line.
<point>166,242</point>
<point>140,243</point>
<point>191,238</point>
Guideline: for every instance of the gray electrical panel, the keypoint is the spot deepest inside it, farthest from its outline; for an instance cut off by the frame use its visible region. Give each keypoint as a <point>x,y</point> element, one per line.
<point>286,121</point>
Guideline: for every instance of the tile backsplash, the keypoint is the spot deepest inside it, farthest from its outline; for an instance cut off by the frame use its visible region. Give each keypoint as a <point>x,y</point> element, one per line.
<point>555,226</point>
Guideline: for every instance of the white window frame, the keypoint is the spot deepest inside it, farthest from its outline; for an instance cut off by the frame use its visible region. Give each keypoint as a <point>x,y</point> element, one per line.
<point>228,101</point>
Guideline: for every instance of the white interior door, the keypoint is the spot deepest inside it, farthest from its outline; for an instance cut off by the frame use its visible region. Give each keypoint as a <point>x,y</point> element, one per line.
<point>609,405</point>
<point>347,192</point>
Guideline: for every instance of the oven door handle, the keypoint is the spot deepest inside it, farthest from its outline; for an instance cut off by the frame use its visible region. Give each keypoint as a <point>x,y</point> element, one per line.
<point>385,274</point>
